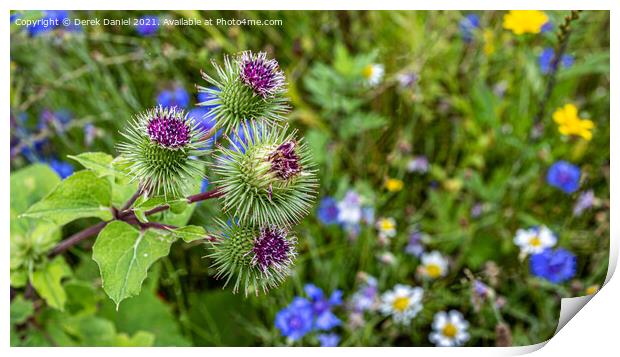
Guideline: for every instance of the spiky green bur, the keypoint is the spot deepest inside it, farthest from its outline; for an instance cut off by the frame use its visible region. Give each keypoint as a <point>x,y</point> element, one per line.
<point>266,176</point>
<point>162,151</point>
<point>257,258</point>
<point>248,87</point>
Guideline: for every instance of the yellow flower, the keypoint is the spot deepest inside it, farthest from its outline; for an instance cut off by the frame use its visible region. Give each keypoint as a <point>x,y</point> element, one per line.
<point>525,21</point>
<point>569,122</point>
<point>394,185</point>
<point>592,289</point>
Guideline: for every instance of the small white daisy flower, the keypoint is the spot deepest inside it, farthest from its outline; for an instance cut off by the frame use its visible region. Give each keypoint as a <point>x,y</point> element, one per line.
<point>387,258</point>
<point>534,240</point>
<point>403,303</point>
<point>373,73</point>
<point>434,265</point>
<point>449,329</point>
<point>386,227</point>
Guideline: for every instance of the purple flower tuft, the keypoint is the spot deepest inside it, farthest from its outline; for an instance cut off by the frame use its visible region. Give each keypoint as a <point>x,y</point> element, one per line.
<point>171,133</point>
<point>272,249</point>
<point>261,74</point>
<point>284,161</point>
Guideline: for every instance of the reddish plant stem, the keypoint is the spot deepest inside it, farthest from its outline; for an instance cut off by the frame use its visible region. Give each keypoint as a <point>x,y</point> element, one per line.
<point>132,200</point>
<point>128,216</point>
<point>77,237</point>
<point>165,227</point>
<point>205,195</point>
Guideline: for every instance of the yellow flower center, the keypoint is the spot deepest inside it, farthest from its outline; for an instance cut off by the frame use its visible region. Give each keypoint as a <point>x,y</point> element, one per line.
<point>367,71</point>
<point>386,225</point>
<point>535,242</point>
<point>449,330</point>
<point>400,304</point>
<point>433,270</point>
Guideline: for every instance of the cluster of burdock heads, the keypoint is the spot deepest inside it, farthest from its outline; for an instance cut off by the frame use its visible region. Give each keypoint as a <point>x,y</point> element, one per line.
<point>263,173</point>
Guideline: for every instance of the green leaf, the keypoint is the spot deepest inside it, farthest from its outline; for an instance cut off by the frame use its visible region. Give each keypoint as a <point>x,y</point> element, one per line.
<point>81,195</point>
<point>124,255</point>
<point>100,163</point>
<point>190,233</point>
<point>30,238</point>
<point>144,204</point>
<point>29,185</point>
<point>21,310</point>
<point>47,282</point>
<point>140,339</point>
<point>146,312</point>
<point>178,206</point>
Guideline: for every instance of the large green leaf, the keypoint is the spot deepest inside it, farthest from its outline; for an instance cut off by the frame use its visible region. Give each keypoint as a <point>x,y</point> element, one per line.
<point>21,309</point>
<point>146,312</point>
<point>124,255</point>
<point>29,185</point>
<point>81,195</point>
<point>91,330</point>
<point>47,281</point>
<point>30,238</point>
<point>100,163</point>
<point>190,233</point>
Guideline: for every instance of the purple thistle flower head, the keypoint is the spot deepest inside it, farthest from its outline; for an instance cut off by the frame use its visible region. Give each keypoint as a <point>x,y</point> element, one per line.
<point>169,132</point>
<point>261,74</point>
<point>272,249</point>
<point>285,161</point>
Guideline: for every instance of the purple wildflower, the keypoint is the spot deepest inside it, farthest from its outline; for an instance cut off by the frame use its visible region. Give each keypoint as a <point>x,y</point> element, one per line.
<point>328,211</point>
<point>295,321</point>
<point>407,79</point>
<point>321,307</point>
<point>90,132</point>
<point>546,58</point>
<point>329,339</point>
<point>414,245</point>
<point>418,164</point>
<point>176,97</point>
<point>272,249</point>
<point>564,175</point>
<point>584,202</point>
<point>547,27</point>
<point>365,298</point>
<point>171,133</point>
<point>556,266</point>
<point>467,25</point>
<point>476,210</point>
<point>284,161</point>
<point>147,25</point>
<point>62,168</point>
<point>261,74</point>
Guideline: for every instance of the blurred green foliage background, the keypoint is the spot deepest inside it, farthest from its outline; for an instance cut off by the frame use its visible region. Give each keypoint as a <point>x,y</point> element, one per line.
<point>469,111</point>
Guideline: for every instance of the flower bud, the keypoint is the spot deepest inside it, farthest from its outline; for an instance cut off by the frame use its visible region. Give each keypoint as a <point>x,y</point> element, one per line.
<point>266,176</point>
<point>162,151</point>
<point>259,258</point>
<point>248,87</point>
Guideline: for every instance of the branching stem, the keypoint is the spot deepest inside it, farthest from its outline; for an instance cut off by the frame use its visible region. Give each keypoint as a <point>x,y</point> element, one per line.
<point>127,215</point>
